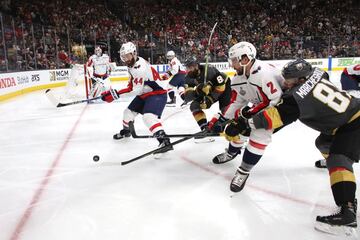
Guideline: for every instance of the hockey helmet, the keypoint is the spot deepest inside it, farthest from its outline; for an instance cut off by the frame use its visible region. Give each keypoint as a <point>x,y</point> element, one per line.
<point>240,49</point>
<point>170,55</point>
<point>191,61</point>
<point>296,69</point>
<point>128,53</point>
<point>192,67</point>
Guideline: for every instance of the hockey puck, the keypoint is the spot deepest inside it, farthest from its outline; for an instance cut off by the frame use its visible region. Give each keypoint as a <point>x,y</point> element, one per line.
<point>96,158</point>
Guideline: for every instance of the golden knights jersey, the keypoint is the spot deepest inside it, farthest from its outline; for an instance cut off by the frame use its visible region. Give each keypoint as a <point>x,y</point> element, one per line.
<point>316,102</point>
<point>214,77</point>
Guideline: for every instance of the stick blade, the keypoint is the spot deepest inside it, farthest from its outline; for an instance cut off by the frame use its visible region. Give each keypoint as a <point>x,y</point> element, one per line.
<point>49,94</point>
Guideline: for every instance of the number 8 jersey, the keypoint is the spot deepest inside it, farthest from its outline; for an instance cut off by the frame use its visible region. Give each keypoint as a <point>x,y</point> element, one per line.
<point>316,102</point>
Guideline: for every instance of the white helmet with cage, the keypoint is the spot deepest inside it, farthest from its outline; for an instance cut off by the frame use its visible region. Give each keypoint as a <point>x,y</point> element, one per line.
<point>170,55</point>
<point>128,53</point>
<point>240,49</point>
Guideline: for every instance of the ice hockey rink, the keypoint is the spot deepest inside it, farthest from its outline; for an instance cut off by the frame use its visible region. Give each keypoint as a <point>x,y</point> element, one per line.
<point>50,188</point>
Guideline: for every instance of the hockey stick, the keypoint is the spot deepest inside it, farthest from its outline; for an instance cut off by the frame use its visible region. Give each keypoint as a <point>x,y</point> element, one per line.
<point>208,52</point>
<point>161,148</point>
<point>203,134</point>
<point>57,103</point>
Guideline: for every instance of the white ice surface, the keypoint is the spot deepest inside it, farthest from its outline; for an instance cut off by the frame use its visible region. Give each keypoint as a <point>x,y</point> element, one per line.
<point>51,189</point>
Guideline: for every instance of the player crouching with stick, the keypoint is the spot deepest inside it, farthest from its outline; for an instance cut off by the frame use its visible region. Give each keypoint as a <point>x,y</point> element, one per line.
<point>150,99</point>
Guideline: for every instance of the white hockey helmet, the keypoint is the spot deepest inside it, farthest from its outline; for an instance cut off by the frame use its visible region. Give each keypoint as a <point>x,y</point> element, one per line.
<point>240,49</point>
<point>170,55</point>
<point>98,51</point>
<point>127,48</point>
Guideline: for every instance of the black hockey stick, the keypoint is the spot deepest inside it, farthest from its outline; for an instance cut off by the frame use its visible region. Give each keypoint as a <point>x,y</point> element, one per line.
<point>161,148</point>
<point>199,134</point>
<point>57,103</point>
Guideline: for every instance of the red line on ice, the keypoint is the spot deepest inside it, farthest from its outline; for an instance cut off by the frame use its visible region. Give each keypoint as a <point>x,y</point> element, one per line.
<point>277,194</point>
<point>40,190</point>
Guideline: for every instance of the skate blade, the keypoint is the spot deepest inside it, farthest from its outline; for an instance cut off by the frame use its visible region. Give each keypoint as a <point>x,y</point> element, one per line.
<point>337,230</point>
<point>204,140</point>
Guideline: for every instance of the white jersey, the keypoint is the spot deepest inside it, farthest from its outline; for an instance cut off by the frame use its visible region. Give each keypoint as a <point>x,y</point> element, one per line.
<point>143,79</point>
<point>176,66</point>
<point>262,88</point>
<point>101,65</point>
<point>353,70</point>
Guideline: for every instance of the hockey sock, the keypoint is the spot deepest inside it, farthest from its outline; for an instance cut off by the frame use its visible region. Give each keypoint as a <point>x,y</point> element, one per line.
<point>343,185</point>
<point>233,150</point>
<point>249,160</point>
<point>200,118</point>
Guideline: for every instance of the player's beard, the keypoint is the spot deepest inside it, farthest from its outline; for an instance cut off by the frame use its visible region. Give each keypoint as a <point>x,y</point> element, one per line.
<point>130,63</point>
<point>240,72</point>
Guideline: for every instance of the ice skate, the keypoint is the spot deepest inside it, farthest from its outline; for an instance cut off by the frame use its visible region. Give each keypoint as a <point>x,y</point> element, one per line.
<point>223,157</point>
<point>342,223</point>
<point>320,163</point>
<point>164,142</point>
<point>124,133</point>
<point>171,103</point>
<point>239,180</point>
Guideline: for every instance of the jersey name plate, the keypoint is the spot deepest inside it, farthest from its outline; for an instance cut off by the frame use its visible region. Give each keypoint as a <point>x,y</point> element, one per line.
<point>310,83</point>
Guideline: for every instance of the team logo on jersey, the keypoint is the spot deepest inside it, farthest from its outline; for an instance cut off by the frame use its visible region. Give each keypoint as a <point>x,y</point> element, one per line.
<point>242,91</point>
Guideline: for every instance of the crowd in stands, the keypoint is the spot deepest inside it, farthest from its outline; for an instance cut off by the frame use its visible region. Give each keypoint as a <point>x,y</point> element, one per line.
<point>43,34</point>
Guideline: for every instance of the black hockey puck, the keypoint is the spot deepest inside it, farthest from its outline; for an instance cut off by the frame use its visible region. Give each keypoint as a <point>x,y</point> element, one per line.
<point>96,158</point>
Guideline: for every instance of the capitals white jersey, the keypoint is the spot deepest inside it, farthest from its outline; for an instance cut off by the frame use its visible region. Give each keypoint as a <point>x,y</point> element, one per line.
<point>353,70</point>
<point>101,65</point>
<point>262,88</point>
<point>176,67</point>
<point>143,80</point>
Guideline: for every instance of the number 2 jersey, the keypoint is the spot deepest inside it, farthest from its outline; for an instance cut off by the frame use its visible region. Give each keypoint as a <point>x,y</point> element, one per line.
<point>262,88</point>
<point>143,80</point>
<point>316,102</point>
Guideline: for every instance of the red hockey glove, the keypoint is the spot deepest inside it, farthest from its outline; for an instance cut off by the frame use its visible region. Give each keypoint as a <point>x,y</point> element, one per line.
<point>110,95</point>
<point>165,76</point>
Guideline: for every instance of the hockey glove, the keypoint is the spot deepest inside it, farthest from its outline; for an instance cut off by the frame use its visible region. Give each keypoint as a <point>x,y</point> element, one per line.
<point>217,124</point>
<point>206,102</point>
<point>246,113</point>
<point>235,128</point>
<point>165,76</point>
<point>203,89</point>
<point>189,94</point>
<point>110,95</point>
